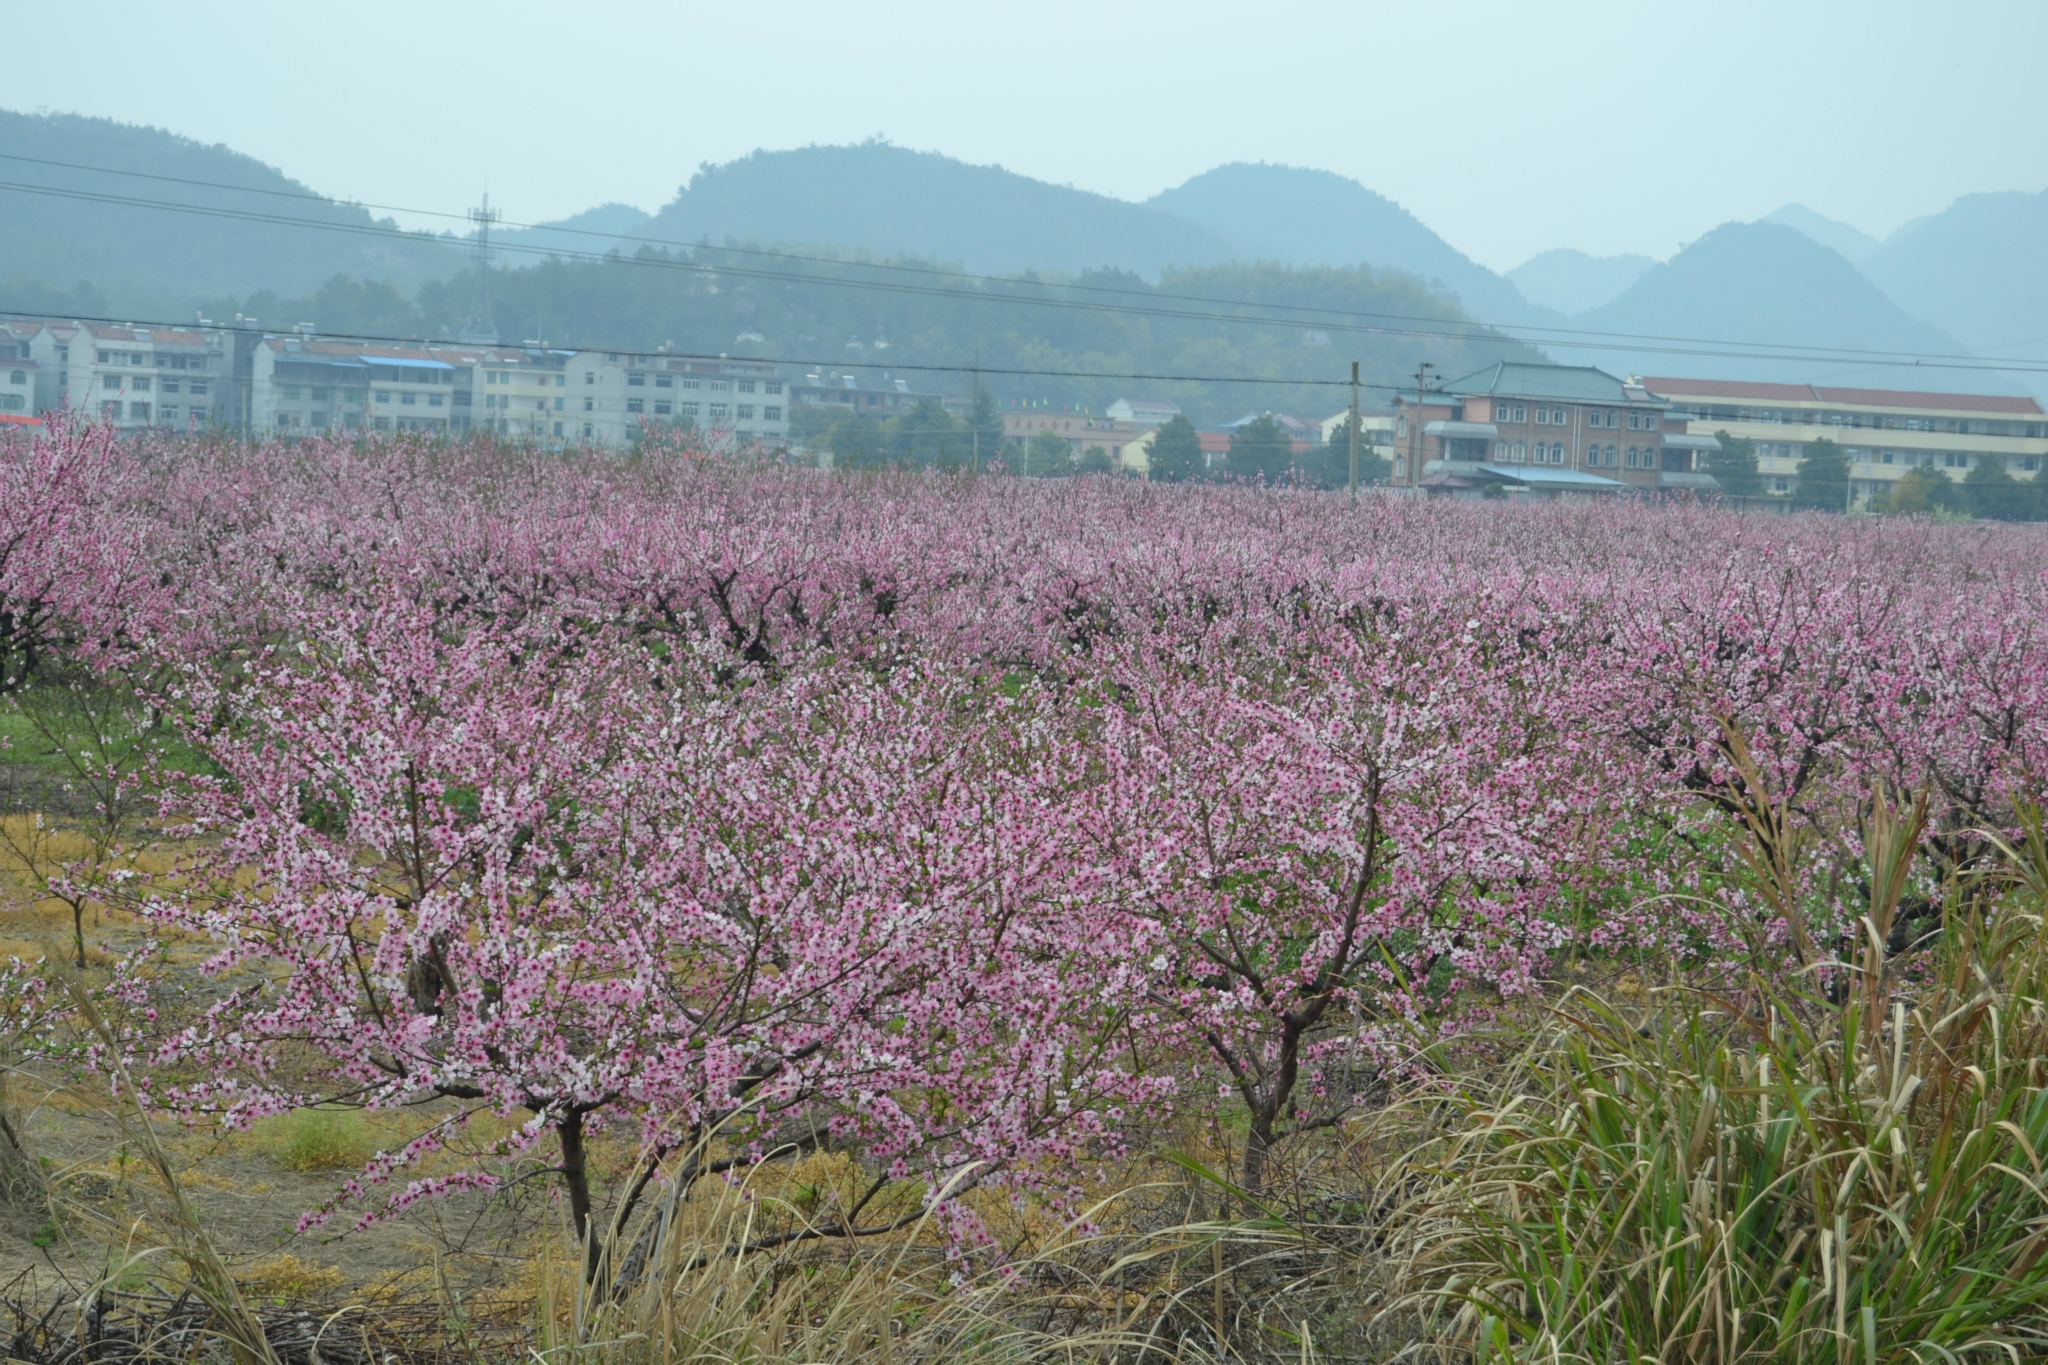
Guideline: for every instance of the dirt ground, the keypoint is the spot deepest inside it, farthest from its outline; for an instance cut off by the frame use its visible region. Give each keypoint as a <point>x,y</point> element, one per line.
<point>249,1189</point>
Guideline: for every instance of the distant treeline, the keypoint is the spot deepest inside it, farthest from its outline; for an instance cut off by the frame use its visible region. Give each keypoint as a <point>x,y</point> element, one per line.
<point>873,314</point>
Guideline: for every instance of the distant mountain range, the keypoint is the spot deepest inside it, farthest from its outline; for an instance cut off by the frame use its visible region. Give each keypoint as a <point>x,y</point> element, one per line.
<point>1979,271</point>
<point>1761,283</point>
<point>1971,277</point>
<point>1853,243</point>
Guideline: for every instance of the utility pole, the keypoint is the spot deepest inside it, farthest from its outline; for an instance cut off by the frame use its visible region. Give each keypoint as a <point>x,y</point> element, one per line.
<point>1415,427</point>
<point>1354,433</point>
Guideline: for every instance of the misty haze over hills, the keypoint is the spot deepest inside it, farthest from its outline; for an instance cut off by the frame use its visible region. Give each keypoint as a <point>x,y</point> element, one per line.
<point>1570,281</point>
<point>1764,281</point>
<point>1308,217</point>
<point>1972,276</point>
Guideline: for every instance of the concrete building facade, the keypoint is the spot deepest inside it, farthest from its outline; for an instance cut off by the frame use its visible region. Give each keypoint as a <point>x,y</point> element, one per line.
<point>613,397</point>
<point>138,377</point>
<point>1884,431</point>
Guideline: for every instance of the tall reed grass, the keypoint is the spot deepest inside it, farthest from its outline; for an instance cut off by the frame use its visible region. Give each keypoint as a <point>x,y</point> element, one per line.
<point>1770,1173</point>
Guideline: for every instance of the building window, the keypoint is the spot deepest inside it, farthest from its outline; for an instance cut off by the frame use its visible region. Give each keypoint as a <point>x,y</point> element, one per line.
<point>586,430</point>
<point>590,405</point>
<point>636,405</point>
<point>771,414</point>
<point>687,409</point>
<point>434,400</point>
<point>558,404</point>
<point>745,386</point>
<point>138,412</point>
<point>383,395</point>
<point>635,380</point>
<point>719,386</point>
<point>746,412</point>
<point>690,383</point>
<point>589,377</point>
<point>772,388</point>
<point>661,407</point>
<point>718,412</point>
<point>408,399</point>
<point>1401,427</point>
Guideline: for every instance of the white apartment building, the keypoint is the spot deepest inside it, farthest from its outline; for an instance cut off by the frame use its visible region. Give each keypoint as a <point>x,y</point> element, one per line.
<point>48,345</point>
<point>137,377</point>
<point>1885,431</point>
<point>614,396</point>
<point>522,393</point>
<point>17,377</point>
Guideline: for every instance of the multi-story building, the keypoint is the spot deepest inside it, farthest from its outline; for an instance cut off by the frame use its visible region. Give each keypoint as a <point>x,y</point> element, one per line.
<point>302,383</point>
<point>522,393</point>
<point>138,377</point>
<point>17,377</point>
<point>48,345</point>
<point>1544,429</point>
<point>880,399</point>
<point>1884,431</point>
<point>614,396</point>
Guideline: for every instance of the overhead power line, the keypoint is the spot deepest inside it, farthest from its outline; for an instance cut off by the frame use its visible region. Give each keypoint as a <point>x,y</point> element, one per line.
<point>1444,330</point>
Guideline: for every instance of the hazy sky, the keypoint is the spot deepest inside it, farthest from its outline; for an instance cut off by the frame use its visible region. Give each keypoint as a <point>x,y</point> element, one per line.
<point>1509,128</point>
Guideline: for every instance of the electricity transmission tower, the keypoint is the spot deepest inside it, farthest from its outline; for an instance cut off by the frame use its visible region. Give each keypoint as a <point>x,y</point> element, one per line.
<point>480,328</point>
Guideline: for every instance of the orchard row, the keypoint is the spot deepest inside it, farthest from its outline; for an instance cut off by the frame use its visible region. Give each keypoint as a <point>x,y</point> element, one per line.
<point>977,823</point>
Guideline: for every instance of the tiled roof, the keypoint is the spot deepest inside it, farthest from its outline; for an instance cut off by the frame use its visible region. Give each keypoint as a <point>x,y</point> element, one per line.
<point>1571,383</point>
<point>1867,398</point>
<point>167,336</point>
<point>1954,402</point>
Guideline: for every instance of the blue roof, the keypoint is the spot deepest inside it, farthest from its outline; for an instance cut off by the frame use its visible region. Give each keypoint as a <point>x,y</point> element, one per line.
<point>1552,478</point>
<point>407,364</point>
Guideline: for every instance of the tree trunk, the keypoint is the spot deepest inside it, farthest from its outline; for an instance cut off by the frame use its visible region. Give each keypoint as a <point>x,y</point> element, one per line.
<point>576,1176</point>
<point>1255,1149</point>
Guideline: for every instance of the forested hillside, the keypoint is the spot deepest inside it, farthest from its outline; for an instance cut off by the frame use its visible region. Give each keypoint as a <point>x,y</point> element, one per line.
<point>714,301</point>
<point>60,224</point>
<point>890,199</point>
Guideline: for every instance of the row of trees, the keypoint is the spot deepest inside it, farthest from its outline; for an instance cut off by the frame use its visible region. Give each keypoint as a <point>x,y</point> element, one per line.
<point>1821,483</point>
<point>960,824</point>
<point>930,437</point>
